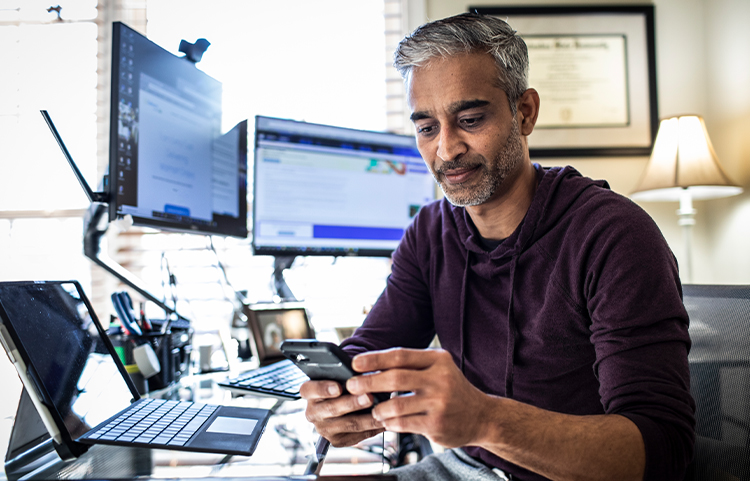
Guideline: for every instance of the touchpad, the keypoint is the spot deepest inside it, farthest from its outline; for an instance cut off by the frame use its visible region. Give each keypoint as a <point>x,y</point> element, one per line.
<point>227,425</point>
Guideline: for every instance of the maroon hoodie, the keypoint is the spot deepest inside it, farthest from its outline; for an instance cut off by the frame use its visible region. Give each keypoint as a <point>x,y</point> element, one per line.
<point>579,311</point>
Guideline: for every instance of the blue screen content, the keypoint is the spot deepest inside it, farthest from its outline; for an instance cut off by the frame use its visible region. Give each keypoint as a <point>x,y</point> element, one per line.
<point>327,190</point>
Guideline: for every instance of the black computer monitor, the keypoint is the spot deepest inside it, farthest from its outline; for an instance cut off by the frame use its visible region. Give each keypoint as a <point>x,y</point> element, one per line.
<point>325,190</point>
<point>170,166</point>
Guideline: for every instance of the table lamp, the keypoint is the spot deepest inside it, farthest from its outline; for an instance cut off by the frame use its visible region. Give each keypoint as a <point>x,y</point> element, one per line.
<point>683,166</point>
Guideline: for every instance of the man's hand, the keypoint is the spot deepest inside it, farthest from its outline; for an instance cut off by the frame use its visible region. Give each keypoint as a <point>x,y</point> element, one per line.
<point>446,408</point>
<point>332,413</point>
<point>443,405</point>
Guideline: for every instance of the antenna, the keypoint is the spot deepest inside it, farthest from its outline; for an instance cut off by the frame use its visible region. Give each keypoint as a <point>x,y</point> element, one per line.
<point>93,196</point>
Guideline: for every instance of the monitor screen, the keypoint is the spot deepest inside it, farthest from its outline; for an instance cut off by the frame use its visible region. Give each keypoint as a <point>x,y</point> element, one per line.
<point>325,190</point>
<point>170,166</point>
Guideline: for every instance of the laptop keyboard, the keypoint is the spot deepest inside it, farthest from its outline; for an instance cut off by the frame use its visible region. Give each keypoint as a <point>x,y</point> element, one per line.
<point>280,379</point>
<point>156,422</point>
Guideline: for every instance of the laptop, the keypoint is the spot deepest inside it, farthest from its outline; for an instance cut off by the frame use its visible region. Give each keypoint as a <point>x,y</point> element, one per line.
<point>82,392</point>
<point>269,326</point>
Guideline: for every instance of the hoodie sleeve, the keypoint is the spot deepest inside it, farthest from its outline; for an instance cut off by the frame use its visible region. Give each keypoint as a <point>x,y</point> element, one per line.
<point>640,333</point>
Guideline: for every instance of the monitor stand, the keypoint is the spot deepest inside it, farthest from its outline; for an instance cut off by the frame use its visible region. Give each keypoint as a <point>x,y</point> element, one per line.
<point>281,288</point>
<point>30,445</point>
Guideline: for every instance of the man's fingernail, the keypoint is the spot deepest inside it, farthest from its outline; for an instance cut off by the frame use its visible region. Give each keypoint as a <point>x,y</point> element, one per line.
<point>359,362</point>
<point>363,400</point>
<point>333,390</point>
<point>352,384</point>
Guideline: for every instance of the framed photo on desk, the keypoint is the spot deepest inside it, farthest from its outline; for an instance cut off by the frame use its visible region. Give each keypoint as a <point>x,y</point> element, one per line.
<point>594,68</point>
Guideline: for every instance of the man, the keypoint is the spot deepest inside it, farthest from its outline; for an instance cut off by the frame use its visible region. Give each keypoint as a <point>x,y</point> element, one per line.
<point>557,302</point>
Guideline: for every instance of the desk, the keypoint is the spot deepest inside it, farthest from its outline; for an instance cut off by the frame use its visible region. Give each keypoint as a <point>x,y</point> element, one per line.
<point>282,451</point>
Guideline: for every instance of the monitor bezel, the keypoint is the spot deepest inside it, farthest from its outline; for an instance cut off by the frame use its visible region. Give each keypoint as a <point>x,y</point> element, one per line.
<point>227,226</point>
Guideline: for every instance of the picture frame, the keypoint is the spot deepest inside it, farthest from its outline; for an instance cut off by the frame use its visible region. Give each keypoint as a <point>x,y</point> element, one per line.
<point>595,70</point>
<point>269,326</point>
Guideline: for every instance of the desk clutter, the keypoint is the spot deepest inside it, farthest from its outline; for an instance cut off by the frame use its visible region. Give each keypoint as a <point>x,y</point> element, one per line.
<point>155,352</point>
<point>79,398</point>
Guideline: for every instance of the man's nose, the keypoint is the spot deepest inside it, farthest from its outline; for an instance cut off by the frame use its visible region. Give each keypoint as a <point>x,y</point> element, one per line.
<point>450,144</point>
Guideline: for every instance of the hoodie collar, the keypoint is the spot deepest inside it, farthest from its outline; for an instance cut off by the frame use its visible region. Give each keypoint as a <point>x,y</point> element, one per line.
<point>512,245</point>
<point>549,204</point>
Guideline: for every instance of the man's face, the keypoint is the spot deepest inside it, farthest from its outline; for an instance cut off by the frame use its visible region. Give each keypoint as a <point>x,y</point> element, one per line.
<point>466,132</point>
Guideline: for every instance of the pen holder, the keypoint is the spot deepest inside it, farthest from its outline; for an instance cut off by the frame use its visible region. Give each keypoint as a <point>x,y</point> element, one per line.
<point>172,349</point>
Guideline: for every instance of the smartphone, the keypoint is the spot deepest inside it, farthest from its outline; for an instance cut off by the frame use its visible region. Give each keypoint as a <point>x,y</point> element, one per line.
<point>323,361</point>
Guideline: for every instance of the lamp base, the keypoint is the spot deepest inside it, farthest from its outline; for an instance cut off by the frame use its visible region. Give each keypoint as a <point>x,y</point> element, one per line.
<point>686,219</point>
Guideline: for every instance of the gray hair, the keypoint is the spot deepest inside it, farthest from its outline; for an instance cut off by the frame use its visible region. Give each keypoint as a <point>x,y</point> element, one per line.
<point>469,33</point>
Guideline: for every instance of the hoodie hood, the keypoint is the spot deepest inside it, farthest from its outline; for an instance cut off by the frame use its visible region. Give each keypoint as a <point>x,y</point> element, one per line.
<point>557,190</point>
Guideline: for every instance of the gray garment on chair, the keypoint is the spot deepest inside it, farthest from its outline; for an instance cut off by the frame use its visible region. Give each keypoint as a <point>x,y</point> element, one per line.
<point>451,465</point>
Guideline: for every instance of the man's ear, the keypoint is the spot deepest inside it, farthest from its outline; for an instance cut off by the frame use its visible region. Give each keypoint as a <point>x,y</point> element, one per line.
<point>528,111</point>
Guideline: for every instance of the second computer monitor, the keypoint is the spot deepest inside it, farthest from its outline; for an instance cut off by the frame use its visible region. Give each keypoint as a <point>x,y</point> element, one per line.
<point>325,190</point>
<point>170,166</point>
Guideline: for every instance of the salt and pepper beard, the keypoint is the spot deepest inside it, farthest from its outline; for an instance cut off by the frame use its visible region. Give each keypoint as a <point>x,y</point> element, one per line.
<point>492,176</point>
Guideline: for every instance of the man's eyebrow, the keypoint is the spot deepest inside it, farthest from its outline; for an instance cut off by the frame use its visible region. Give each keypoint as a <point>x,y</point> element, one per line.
<point>419,116</point>
<point>454,108</point>
<point>462,105</point>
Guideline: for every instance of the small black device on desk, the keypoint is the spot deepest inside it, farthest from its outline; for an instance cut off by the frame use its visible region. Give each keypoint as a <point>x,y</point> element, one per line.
<point>82,392</point>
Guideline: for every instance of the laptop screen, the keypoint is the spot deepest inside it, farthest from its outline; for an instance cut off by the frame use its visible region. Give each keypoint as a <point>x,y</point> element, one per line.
<point>278,325</point>
<point>66,350</point>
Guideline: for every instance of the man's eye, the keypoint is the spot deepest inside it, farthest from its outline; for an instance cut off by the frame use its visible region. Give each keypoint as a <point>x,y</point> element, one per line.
<point>471,121</point>
<point>425,130</point>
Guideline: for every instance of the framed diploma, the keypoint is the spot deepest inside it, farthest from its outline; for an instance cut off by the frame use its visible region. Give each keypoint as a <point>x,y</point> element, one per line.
<point>594,68</point>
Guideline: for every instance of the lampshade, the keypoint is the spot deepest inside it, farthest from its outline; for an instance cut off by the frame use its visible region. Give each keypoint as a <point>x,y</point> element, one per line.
<point>683,158</point>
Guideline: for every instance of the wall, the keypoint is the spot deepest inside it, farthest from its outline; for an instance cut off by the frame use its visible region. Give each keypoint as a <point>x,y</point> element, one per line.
<point>703,67</point>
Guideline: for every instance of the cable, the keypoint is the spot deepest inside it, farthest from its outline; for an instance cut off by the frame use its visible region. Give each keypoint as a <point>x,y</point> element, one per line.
<point>220,266</point>
<point>171,286</point>
<point>171,280</point>
<point>382,459</point>
<point>243,300</point>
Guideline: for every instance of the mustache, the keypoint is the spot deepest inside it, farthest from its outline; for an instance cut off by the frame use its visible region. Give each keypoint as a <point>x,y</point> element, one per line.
<point>449,167</point>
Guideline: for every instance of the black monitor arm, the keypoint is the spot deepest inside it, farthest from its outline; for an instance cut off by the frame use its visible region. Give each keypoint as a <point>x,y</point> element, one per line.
<point>95,226</point>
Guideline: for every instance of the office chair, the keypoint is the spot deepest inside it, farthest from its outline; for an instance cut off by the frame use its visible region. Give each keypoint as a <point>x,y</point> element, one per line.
<point>720,380</point>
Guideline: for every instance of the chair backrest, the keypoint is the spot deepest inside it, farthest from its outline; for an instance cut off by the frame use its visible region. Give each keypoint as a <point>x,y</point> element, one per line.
<point>720,380</point>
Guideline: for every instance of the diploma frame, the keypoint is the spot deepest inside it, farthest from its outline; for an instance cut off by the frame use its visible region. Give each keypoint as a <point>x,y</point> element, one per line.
<point>635,23</point>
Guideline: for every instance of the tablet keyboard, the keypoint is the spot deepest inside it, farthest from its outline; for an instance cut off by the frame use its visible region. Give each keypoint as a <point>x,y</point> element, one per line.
<point>281,379</point>
<point>156,422</point>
